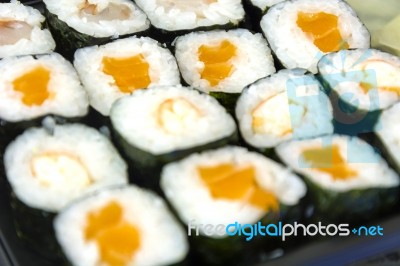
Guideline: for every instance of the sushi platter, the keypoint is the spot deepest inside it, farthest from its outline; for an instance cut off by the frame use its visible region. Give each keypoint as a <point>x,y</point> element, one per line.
<point>205,132</point>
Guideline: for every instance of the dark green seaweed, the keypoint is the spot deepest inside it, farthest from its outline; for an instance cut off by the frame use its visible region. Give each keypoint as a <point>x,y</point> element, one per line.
<point>227,100</point>
<point>35,228</point>
<point>349,119</point>
<point>354,206</point>
<point>145,167</point>
<point>68,40</point>
<point>10,130</point>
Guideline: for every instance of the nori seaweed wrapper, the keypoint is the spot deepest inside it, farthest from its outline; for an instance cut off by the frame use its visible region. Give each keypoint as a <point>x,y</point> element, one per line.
<point>167,37</point>
<point>10,130</point>
<point>68,40</point>
<point>353,206</point>
<point>145,167</point>
<point>35,228</point>
<point>227,100</point>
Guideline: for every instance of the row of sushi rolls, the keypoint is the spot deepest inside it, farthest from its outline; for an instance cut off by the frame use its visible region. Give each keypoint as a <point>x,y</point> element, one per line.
<point>123,123</point>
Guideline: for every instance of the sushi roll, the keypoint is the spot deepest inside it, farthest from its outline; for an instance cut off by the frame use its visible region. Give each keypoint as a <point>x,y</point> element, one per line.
<point>300,32</point>
<point>361,83</point>
<point>113,70</point>
<point>21,31</point>
<point>164,124</point>
<point>387,130</point>
<point>49,168</point>
<point>222,63</point>
<point>228,185</point>
<point>121,226</point>
<point>172,18</point>
<point>348,180</point>
<point>80,23</point>
<point>287,105</point>
<point>32,87</point>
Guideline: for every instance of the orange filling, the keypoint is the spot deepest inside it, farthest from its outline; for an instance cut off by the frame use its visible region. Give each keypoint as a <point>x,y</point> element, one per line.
<point>330,161</point>
<point>130,73</point>
<point>34,86</point>
<point>323,29</point>
<point>226,181</point>
<point>117,240</point>
<point>366,87</point>
<point>216,59</point>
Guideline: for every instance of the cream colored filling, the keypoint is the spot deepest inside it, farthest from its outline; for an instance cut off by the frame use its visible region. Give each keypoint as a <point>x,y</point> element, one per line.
<point>272,116</point>
<point>11,31</point>
<point>60,170</point>
<point>94,13</point>
<point>177,115</point>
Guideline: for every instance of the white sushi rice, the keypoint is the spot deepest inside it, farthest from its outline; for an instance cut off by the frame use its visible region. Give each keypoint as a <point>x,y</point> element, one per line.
<point>264,4</point>
<point>372,170</point>
<point>293,47</point>
<point>173,15</point>
<point>346,69</point>
<point>39,41</point>
<point>253,59</point>
<point>71,12</point>
<point>102,90</point>
<point>162,240</point>
<point>67,97</point>
<point>387,129</point>
<point>47,170</point>
<point>195,119</point>
<point>190,196</point>
<point>292,100</point>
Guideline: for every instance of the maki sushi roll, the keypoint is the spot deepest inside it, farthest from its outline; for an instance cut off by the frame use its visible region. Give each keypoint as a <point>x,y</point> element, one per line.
<point>32,87</point>
<point>49,168</point>
<point>348,180</point>
<point>387,130</point>
<point>300,32</point>
<point>113,70</point>
<point>360,82</point>
<point>163,124</point>
<point>174,17</point>
<point>81,23</point>
<point>287,105</point>
<point>222,63</point>
<point>21,31</point>
<point>121,226</point>
<point>228,185</point>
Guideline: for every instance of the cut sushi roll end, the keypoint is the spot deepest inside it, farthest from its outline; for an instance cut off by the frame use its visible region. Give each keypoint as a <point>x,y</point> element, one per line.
<point>21,31</point>
<point>121,226</point>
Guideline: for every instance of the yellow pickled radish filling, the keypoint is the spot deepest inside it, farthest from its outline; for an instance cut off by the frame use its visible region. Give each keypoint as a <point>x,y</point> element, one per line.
<point>323,29</point>
<point>217,61</point>
<point>129,73</point>
<point>117,240</point>
<point>177,115</point>
<point>229,182</point>
<point>272,116</point>
<point>34,86</point>
<point>330,161</point>
<point>366,87</point>
<point>390,71</point>
<point>59,169</point>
